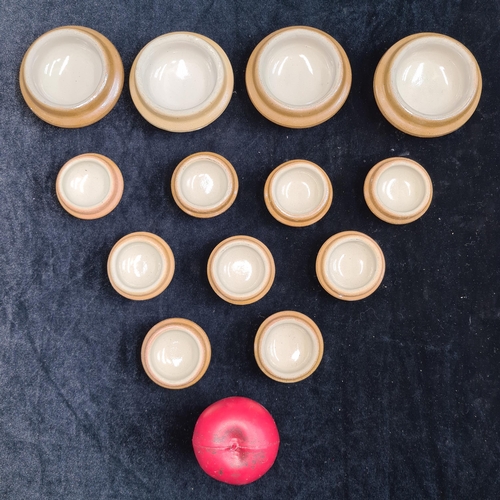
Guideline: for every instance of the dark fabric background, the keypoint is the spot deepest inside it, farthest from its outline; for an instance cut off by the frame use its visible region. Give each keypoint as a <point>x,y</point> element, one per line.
<point>405,404</point>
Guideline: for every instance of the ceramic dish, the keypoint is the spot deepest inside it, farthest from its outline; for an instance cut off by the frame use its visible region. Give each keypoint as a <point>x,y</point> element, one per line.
<point>181,81</point>
<point>204,185</point>
<point>140,266</point>
<point>350,265</point>
<point>398,190</point>
<point>71,76</point>
<point>176,353</point>
<point>288,346</point>
<point>241,270</point>
<point>89,186</point>
<point>427,85</point>
<point>298,193</point>
<point>298,77</point>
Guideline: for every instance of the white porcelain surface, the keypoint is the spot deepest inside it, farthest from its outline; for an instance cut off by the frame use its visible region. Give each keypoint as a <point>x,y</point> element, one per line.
<point>175,355</point>
<point>434,77</point>
<point>65,68</point>
<point>179,73</point>
<point>300,68</point>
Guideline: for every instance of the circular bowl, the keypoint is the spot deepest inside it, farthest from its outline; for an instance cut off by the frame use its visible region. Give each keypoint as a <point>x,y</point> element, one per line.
<point>298,77</point>
<point>241,270</point>
<point>181,81</point>
<point>89,186</point>
<point>350,265</point>
<point>140,266</point>
<point>176,353</point>
<point>427,85</point>
<point>298,193</point>
<point>204,185</point>
<point>398,190</point>
<point>71,76</point>
<point>288,346</point>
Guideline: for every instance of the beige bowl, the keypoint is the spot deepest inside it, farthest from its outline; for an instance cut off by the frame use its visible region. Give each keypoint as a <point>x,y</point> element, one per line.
<point>398,190</point>
<point>176,353</point>
<point>241,270</point>
<point>140,266</point>
<point>288,346</point>
<point>427,85</point>
<point>298,77</point>
<point>71,76</point>
<point>350,265</point>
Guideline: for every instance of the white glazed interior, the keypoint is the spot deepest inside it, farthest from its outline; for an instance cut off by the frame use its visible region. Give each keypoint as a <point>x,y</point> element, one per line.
<point>137,266</point>
<point>289,348</point>
<point>204,183</point>
<point>85,183</point>
<point>350,265</point>
<point>300,68</point>
<point>402,189</point>
<point>433,77</point>
<point>299,190</point>
<point>65,68</point>
<point>175,355</point>
<point>179,74</point>
<point>240,269</point>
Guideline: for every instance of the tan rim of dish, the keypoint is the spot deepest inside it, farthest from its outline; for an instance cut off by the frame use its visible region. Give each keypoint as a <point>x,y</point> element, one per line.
<point>213,209</point>
<point>103,206</point>
<point>199,338</point>
<point>372,250</point>
<point>302,115</point>
<point>259,290</point>
<point>297,219</point>
<point>411,123</point>
<point>185,120</point>
<point>304,323</point>
<point>165,273</point>
<point>420,187</point>
<point>92,108</point>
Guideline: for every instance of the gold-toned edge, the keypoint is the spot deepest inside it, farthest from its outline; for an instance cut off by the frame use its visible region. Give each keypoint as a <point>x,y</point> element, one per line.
<point>93,111</point>
<point>213,212</point>
<point>167,253</point>
<point>297,221</point>
<point>298,118</point>
<point>253,298</point>
<point>397,116</point>
<point>108,204</point>
<point>275,318</point>
<point>372,200</point>
<point>183,324</point>
<point>349,296</point>
<point>186,123</point>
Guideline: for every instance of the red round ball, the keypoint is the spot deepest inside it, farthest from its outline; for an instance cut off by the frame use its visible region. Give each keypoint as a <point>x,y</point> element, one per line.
<point>236,440</point>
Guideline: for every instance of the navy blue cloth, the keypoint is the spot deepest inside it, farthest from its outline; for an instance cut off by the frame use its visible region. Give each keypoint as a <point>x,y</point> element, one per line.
<point>405,404</point>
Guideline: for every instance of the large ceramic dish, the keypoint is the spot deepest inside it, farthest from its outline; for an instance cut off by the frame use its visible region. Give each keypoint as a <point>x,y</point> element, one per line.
<point>176,353</point>
<point>427,85</point>
<point>181,81</point>
<point>71,76</point>
<point>298,77</point>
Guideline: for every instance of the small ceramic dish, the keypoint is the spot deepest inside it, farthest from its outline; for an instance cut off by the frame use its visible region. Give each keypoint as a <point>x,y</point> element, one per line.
<point>176,353</point>
<point>288,346</point>
<point>398,190</point>
<point>350,265</point>
<point>204,185</point>
<point>427,85</point>
<point>241,270</point>
<point>298,193</point>
<point>140,266</point>
<point>89,186</point>
<point>181,81</point>
<point>298,77</point>
<point>71,76</point>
